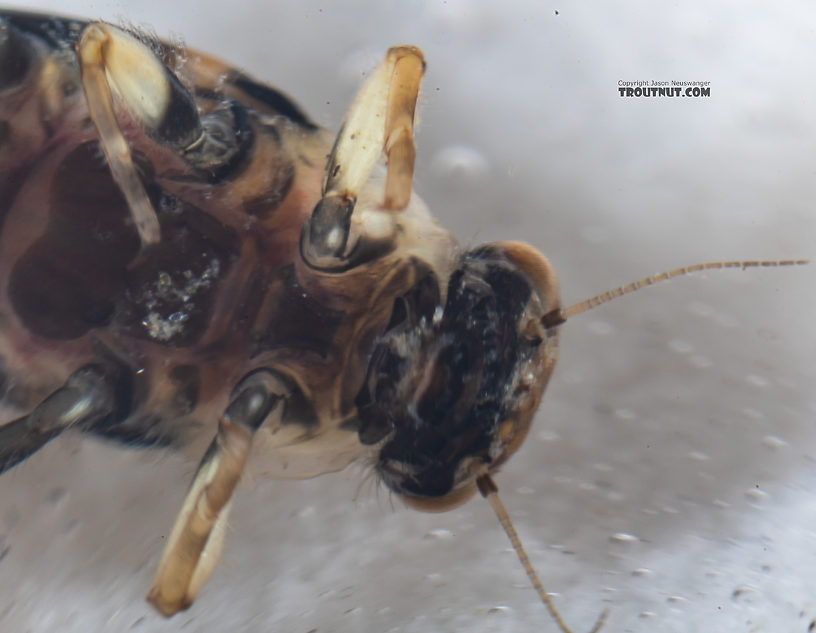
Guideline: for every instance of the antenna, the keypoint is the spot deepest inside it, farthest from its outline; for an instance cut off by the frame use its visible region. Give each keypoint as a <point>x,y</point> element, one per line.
<point>560,315</point>
<point>490,491</point>
<point>487,487</point>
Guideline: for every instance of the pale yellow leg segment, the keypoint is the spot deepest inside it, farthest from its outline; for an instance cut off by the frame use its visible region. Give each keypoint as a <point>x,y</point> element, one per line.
<point>110,57</point>
<point>399,125</point>
<point>195,542</point>
<point>381,119</point>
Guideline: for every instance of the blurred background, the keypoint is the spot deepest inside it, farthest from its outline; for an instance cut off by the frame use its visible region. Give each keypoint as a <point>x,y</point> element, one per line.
<point>670,473</point>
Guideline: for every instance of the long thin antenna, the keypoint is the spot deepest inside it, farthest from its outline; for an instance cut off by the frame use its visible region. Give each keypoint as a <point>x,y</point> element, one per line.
<point>490,491</point>
<point>558,316</point>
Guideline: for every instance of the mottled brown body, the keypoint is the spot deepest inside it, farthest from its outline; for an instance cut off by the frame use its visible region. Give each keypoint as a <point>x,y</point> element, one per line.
<point>228,265</point>
<point>184,255</point>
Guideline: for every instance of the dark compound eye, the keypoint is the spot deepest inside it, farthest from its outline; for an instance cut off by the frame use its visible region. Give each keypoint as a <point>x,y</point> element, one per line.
<point>438,386</point>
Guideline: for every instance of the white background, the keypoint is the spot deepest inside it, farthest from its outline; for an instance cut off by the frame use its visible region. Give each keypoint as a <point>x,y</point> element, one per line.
<point>681,416</point>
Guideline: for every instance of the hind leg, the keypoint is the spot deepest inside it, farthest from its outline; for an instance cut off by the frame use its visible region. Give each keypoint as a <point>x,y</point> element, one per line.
<point>91,397</point>
<point>195,542</point>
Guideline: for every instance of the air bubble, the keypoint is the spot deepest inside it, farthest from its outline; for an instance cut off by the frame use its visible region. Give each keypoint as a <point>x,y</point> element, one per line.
<point>680,347</point>
<point>595,235</point>
<point>756,381</point>
<point>460,161</point>
<point>439,534</point>
<point>56,495</point>
<point>700,309</point>
<point>727,321</point>
<point>752,413</point>
<point>600,328</point>
<point>623,538</point>
<point>702,362</point>
<point>756,495</point>
<point>746,592</point>
<point>548,435</point>
<point>773,442</point>
<point>576,378</point>
<point>307,512</point>
<point>500,609</point>
<point>625,414</point>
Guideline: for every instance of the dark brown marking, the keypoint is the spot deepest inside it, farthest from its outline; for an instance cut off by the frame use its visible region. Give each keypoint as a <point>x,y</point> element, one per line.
<point>187,379</point>
<point>298,321</point>
<point>66,281</point>
<point>16,54</point>
<point>273,99</point>
<point>263,206</point>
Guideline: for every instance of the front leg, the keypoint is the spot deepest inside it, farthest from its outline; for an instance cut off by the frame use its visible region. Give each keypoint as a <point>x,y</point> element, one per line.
<point>381,120</point>
<point>113,62</point>
<point>197,537</point>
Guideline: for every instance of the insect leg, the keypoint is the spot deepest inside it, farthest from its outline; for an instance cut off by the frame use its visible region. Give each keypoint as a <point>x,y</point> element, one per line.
<point>114,62</point>
<point>381,119</point>
<point>90,396</point>
<point>196,539</point>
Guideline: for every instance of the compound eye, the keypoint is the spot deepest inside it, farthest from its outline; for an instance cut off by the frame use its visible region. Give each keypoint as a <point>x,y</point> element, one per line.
<point>538,270</point>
